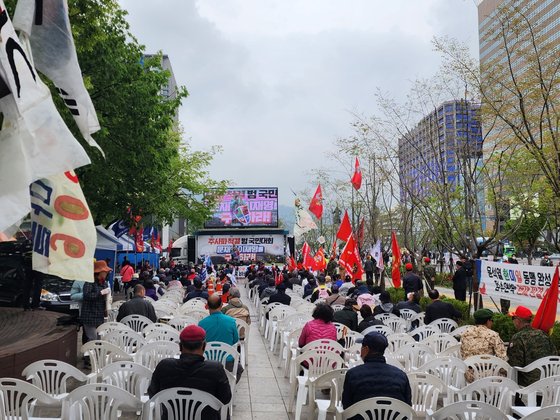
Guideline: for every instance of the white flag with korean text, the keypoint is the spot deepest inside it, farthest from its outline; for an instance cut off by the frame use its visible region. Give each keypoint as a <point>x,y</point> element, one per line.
<point>34,141</point>
<point>47,26</point>
<point>377,254</point>
<point>64,235</point>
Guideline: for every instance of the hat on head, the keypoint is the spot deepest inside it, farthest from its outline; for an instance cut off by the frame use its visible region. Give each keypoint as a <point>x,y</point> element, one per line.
<point>483,315</point>
<point>522,312</point>
<point>375,341</point>
<point>101,266</point>
<point>192,333</point>
<point>408,266</point>
<point>427,260</point>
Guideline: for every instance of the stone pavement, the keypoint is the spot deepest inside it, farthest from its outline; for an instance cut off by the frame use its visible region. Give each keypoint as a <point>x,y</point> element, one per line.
<point>262,392</point>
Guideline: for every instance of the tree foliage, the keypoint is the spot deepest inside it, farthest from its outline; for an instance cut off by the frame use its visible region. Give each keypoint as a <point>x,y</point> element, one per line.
<point>147,166</point>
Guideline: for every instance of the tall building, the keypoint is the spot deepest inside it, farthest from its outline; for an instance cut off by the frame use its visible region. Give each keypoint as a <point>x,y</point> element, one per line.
<point>434,151</point>
<point>518,46</point>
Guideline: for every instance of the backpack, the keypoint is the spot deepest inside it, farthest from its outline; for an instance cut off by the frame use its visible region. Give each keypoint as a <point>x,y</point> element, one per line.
<point>323,293</point>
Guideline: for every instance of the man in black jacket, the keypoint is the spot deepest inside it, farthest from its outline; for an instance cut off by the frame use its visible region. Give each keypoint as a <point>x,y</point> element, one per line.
<point>412,283</point>
<point>438,309</point>
<point>375,378</point>
<point>137,305</point>
<point>460,282</point>
<point>191,370</point>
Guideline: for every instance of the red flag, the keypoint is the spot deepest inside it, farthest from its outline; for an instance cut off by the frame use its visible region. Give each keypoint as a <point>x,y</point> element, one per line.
<point>357,177</point>
<point>292,264</point>
<point>546,314</point>
<point>350,259</point>
<point>361,231</point>
<point>169,247</point>
<point>345,228</point>
<point>396,264</point>
<point>316,205</point>
<point>319,258</point>
<point>138,240</point>
<point>308,261</point>
<point>333,253</point>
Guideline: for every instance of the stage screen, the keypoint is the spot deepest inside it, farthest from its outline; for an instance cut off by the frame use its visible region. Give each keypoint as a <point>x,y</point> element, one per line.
<point>246,207</point>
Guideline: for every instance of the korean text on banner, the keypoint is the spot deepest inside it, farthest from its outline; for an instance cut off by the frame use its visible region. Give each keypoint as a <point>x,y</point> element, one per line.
<point>35,141</point>
<point>522,284</point>
<point>47,26</point>
<point>64,235</point>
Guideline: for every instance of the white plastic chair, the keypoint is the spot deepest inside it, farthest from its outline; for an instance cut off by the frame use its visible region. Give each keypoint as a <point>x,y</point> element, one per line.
<point>290,348</point>
<point>548,413</point>
<point>162,334</point>
<point>413,356</point>
<point>181,321</point>
<point>196,315</point>
<point>397,341</point>
<point>221,352</point>
<point>136,322</point>
<point>193,305</point>
<point>51,376</point>
<point>548,366</point>
<point>548,388</point>
<point>263,324</point>
<point>132,377</point>
<point>425,389</point>
<point>341,330</point>
<point>468,410</point>
<point>243,330</point>
<point>156,326</point>
<point>104,328</point>
<point>445,325</point>
<point>458,332</point>
<point>407,315</point>
<point>383,329</point>
<point>350,339</point>
<point>398,325</point>
<point>318,363</point>
<point>454,351</point>
<point>101,353</point>
<point>337,307</point>
<point>418,317</point>
<point>150,354</point>
<point>385,316</point>
<point>127,340</point>
<point>484,365</point>
<point>99,402</point>
<point>450,370</point>
<point>18,398</point>
<point>180,404</point>
<point>494,390</point>
<point>334,381</point>
<point>377,408</point>
<point>275,316</point>
<point>439,342</point>
<point>424,331</point>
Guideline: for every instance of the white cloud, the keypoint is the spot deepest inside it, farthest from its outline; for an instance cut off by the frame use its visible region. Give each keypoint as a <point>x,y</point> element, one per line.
<point>273,81</point>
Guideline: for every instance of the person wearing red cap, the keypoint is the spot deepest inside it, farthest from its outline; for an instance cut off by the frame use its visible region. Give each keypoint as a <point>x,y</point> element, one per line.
<point>412,283</point>
<point>527,345</point>
<point>191,370</point>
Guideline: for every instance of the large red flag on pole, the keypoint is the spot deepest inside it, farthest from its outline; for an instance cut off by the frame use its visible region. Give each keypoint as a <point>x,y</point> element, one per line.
<point>357,177</point>
<point>546,314</point>
<point>350,258</point>
<point>308,261</point>
<point>396,261</point>
<point>316,205</point>
<point>320,262</point>
<point>345,228</point>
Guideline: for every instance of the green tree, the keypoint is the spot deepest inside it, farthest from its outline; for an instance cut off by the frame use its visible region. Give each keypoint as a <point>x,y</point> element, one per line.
<point>147,166</point>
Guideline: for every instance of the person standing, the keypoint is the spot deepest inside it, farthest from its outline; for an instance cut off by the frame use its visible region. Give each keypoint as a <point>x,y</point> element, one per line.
<point>375,378</point>
<point>460,282</point>
<point>93,305</point>
<point>429,273</point>
<point>527,345</point>
<point>412,283</point>
<point>546,261</point>
<point>369,267</point>
<point>126,276</point>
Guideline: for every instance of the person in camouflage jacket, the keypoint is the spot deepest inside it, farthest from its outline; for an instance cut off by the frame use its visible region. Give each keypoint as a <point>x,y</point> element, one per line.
<point>528,345</point>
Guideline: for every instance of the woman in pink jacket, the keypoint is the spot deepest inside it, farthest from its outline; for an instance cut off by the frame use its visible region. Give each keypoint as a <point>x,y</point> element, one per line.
<point>321,327</point>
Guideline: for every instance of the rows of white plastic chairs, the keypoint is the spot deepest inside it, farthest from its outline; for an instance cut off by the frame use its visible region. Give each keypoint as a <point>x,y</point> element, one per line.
<point>429,354</point>
<point>122,362</point>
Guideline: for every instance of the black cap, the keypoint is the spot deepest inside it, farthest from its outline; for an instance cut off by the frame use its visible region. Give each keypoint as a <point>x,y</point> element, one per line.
<point>375,341</point>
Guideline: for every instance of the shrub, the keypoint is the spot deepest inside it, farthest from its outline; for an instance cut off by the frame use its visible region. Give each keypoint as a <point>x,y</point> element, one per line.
<point>555,336</point>
<point>503,325</point>
<point>461,306</point>
<point>397,295</point>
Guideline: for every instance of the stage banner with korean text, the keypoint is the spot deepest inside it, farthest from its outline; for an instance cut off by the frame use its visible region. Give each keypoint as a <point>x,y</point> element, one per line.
<point>240,248</point>
<point>521,284</point>
<point>64,236</point>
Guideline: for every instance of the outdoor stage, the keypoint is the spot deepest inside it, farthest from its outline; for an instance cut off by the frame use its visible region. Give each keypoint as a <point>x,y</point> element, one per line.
<point>29,336</point>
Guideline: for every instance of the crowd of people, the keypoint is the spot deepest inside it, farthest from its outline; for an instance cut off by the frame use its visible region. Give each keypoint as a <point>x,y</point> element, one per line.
<point>358,302</point>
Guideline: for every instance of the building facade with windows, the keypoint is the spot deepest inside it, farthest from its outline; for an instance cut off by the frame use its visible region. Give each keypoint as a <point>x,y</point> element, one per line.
<point>437,149</point>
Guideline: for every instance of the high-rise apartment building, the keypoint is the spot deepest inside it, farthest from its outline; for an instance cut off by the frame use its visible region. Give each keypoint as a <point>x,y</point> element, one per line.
<point>434,151</point>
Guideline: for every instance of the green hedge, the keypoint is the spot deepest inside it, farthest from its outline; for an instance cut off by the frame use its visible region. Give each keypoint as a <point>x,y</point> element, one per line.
<point>503,325</point>
<point>555,336</point>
